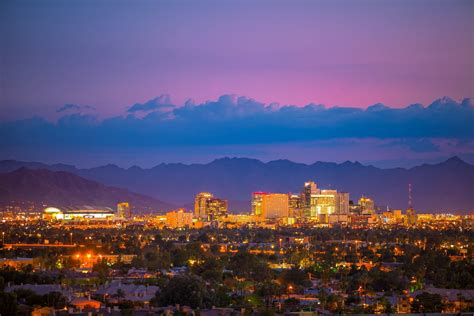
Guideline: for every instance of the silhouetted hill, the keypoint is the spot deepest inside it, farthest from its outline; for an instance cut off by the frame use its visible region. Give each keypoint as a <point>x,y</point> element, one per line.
<point>446,186</point>
<point>62,188</point>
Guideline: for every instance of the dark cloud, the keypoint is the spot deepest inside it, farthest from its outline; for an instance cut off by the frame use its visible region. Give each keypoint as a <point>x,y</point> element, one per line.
<point>74,108</point>
<point>416,145</point>
<point>241,120</point>
<point>161,103</point>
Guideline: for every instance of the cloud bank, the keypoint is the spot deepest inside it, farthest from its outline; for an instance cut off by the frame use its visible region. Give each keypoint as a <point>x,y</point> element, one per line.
<point>241,120</point>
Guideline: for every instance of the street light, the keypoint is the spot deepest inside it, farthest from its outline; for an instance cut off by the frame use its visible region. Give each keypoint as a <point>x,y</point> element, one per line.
<point>3,238</point>
<point>70,238</point>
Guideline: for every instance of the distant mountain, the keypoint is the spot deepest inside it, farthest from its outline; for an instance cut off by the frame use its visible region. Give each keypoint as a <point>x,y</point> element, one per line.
<point>60,188</point>
<point>447,186</point>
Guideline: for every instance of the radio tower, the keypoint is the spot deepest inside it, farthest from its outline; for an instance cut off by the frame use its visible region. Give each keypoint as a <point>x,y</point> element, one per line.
<point>411,216</point>
<point>410,201</point>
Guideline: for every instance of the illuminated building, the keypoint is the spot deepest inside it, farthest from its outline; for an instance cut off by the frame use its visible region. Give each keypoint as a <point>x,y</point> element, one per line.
<point>257,203</point>
<point>367,205</point>
<point>124,210</point>
<point>411,217</point>
<point>237,220</point>
<point>80,213</point>
<point>342,203</point>
<point>310,189</point>
<point>200,204</point>
<point>323,205</point>
<point>216,208</point>
<point>341,219</point>
<point>294,204</point>
<point>207,207</point>
<point>179,219</point>
<point>397,214</point>
<point>274,205</point>
<point>88,259</point>
<point>20,263</point>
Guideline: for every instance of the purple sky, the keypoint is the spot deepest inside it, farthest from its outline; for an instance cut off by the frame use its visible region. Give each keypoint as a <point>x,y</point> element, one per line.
<point>109,55</point>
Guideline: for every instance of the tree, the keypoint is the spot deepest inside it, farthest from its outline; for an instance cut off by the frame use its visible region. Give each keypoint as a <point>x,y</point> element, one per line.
<point>427,303</point>
<point>8,303</point>
<point>184,290</point>
<point>55,299</point>
<point>119,295</point>
<point>268,290</point>
<point>209,270</point>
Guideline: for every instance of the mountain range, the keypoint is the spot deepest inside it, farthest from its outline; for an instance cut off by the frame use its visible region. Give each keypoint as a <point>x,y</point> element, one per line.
<point>444,187</point>
<point>60,188</point>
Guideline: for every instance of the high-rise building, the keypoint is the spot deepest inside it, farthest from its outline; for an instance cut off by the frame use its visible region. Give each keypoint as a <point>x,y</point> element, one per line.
<point>209,208</point>
<point>270,205</point>
<point>124,210</point>
<point>257,203</point>
<point>310,190</point>
<point>294,205</point>
<point>324,205</point>
<point>275,205</point>
<point>367,206</point>
<point>216,208</point>
<point>342,203</point>
<point>200,204</point>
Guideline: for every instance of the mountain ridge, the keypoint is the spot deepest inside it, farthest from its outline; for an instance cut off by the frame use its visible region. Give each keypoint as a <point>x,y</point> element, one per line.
<point>439,187</point>
<point>62,188</point>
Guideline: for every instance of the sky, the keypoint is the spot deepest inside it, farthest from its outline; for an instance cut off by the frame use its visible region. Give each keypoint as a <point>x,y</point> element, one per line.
<point>387,83</point>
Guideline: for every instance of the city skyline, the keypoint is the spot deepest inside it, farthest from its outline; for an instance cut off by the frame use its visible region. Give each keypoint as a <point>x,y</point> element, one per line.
<point>237,157</point>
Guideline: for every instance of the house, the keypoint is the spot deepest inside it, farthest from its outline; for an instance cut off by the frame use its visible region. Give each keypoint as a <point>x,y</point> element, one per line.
<point>116,290</point>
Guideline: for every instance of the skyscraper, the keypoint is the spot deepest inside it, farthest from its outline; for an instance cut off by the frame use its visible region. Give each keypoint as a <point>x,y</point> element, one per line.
<point>216,208</point>
<point>209,208</point>
<point>200,204</point>
<point>324,204</point>
<point>270,205</point>
<point>275,205</point>
<point>294,204</point>
<point>257,203</point>
<point>342,203</point>
<point>310,190</point>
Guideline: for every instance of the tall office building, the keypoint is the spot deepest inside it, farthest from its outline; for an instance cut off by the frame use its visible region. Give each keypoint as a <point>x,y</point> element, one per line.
<point>216,208</point>
<point>209,208</point>
<point>200,204</point>
<point>124,210</point>
<point>324,205</point>
<point>294,205</point>
<point>257,203</point>
<point>310,190</point>
<point>342,203</point>
<point>270,205</point>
